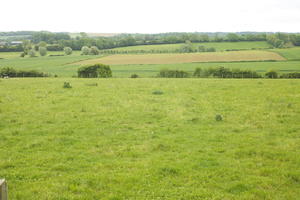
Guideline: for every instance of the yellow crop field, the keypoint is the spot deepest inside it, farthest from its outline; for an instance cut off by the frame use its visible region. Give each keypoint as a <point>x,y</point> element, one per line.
<point>185,58</point>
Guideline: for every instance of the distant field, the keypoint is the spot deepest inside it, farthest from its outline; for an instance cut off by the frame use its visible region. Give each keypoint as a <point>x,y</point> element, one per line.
<point>290,53</point>
<point>119,141</point>
<point>219,46</point>
<point>186,58</point>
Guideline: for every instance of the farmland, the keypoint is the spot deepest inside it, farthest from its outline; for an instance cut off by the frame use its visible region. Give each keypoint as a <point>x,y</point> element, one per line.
<point>117,139</point>
<point>219,46</point>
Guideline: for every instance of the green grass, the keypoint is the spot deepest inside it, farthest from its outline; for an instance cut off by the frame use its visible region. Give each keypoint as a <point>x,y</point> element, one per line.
<point>290,53</point>
<point>120,140</point>
<point>219,46</point>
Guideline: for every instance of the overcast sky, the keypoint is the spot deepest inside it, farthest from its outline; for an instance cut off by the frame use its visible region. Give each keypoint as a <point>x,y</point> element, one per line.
<point>150,16</point>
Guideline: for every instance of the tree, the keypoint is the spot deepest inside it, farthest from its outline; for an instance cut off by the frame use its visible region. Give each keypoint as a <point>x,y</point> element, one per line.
<point>43,51</point>
<point>232,37</point>
<point>68,50</point>
<point>187,47</point>
<point>94,50</point>
<point>31,53</point>
<point>94,71</point>
<point>42,44</point>
<point>271,74</point>
<point>85,50</point>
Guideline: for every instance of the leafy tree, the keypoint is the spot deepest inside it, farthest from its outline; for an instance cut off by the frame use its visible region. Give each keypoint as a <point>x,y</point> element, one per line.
<point>42,44</point>
<point>271,74</point>
<point>31,53</point>
<point>94,50</point>
<point>187,47</point>
<point>232,37</point>
<point>68,50</point>
<point>94,71</point>
<point>85,50</point>
<point>42,51</point>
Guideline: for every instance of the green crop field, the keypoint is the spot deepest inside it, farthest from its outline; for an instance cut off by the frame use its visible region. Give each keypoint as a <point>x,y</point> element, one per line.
<point>290,53</point>
<point>150,138</point>
<point>219,46</point>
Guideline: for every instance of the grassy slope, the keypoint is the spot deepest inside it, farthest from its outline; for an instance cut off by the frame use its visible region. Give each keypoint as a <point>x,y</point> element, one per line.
<point>219,46</point>
<point>290,54</point>
<point>119,141</point>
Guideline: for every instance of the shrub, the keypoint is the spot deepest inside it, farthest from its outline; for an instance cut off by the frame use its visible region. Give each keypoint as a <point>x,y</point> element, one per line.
<point>134,76</point>
<point>94,71</point>
<point>94,50</point>
<point>31,53</point>
<point>67,85</point>
<point>271,74</point>
<point>157,92</point>
<point>222,72</point>
<point>85,50</point>
<point>218,117</point>
<point>173,74</point>
<point>68,50</point>
<point>10,72</point>
<point>291,75</point>
<point>22,55</point>
<point>43,51</point>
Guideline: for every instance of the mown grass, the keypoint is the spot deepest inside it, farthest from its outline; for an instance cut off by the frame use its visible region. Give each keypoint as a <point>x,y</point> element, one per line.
<point>117,139</point>
<point>219,46</point>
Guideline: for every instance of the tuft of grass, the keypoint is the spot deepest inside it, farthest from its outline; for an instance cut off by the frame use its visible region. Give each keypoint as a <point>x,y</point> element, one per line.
<point>157,92</point>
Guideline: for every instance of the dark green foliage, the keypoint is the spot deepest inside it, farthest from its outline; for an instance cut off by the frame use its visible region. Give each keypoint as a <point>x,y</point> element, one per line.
<point>134,76</point>
<point>222,72</point>
<point>43,51</point>
<point>157,92</point>
<point>271,74</point>
<point>94,71</point>
<point>218,117</point>
<point>290,75</point>
<point>11,72</point>
<point>22,55</point>
<point>67,85</point>
<point>165,73</point>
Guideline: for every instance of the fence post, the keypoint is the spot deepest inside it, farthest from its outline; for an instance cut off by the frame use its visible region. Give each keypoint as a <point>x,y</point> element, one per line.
<point>3,189</point>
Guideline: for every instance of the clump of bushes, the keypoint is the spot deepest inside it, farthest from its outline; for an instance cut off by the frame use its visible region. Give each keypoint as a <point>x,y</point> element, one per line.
<point>271,74</point>
<point>90,51</point>
<point>222,72</point>
<point>165,73</point>
<point>11,72</point>
<point>67,85</point>
<point>95,71</point>
<point>134,76</point>
<point>290,75</point>
<point>68,50</point>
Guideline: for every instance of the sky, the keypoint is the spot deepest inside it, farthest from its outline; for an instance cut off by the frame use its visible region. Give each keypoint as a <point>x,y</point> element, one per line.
<point>150,16</point>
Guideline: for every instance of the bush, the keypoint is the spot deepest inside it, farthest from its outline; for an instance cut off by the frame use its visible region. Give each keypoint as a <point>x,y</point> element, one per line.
<point>94,71</point>
<point>94,50</point>
<point>222,72</point>
<point>134,76</point>
<point>173,74</point>
<point>31,53</point>
<point>271,74</point>
<point>291,75</point>
<point>68,50</point>
<point>67,85</point>
<point>43,51</point>
<point>10,72</point>
<point>22,55</point>
<point>85,50</point>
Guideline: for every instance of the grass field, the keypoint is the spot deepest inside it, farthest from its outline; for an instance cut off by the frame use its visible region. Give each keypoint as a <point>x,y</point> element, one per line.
<point>118,140</point>
<point>186,58</point>
<point>219,46</point>
<point>290,54</point>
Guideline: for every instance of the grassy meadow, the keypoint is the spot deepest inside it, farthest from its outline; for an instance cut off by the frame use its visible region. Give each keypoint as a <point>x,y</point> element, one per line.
<point>150,138</point>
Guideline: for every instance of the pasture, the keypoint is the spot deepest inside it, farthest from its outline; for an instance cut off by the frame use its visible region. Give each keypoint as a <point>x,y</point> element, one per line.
<point>121,139</point>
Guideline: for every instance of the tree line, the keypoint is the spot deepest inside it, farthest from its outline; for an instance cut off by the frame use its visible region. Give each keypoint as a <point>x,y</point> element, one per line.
<point>57,41</point>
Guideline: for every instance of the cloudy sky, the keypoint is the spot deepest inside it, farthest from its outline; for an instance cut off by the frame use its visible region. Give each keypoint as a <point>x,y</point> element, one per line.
<point>150,16</point>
